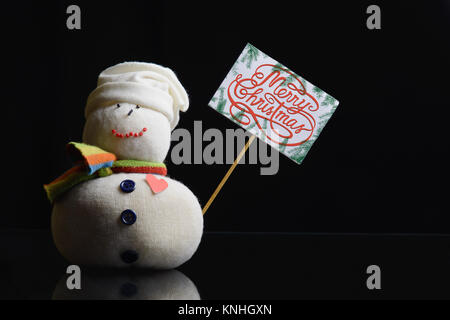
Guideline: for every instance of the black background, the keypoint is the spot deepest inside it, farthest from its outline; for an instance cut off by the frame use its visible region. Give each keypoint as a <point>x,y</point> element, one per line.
<point>380,165</point>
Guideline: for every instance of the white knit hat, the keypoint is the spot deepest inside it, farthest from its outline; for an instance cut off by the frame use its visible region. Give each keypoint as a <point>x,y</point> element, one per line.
<point>145,84</point>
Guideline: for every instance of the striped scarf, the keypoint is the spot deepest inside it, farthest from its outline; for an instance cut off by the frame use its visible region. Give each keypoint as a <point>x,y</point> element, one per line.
<point>92,162</point>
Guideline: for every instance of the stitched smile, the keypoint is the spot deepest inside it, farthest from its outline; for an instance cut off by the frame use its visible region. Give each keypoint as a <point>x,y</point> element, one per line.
<point>130,134</point>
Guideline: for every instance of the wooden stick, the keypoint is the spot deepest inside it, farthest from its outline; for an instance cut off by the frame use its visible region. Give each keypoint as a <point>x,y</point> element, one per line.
<point>227,175</point>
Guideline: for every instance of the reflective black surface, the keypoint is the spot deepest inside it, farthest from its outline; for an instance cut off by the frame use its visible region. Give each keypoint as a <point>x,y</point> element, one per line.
<point>242,266</point>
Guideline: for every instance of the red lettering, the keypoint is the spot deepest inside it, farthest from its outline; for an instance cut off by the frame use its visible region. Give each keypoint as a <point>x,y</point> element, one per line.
<point>268,96</point>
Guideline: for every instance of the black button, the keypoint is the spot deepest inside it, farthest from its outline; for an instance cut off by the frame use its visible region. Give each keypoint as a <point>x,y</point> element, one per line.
<point>128,217</point>
<point>128,289</point>
<point>129,256</point>
<point>127,186</point>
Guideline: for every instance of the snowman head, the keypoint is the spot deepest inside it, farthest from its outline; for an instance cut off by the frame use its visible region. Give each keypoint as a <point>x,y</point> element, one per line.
<point>133,110</point>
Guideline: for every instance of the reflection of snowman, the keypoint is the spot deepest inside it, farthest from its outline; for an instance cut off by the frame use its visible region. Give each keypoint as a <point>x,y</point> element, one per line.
<point>117,208</point>
<point>101,285</point>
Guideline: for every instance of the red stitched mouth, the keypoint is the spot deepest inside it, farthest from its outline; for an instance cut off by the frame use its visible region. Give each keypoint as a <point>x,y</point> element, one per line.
<point>130,134</point>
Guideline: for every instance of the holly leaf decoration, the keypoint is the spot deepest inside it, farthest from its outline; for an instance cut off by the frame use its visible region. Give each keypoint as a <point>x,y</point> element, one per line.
<point>250,56</point>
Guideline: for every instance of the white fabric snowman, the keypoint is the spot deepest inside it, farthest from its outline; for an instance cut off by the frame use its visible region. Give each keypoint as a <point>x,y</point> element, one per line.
<point>118,220</point>
<point>159,285</point>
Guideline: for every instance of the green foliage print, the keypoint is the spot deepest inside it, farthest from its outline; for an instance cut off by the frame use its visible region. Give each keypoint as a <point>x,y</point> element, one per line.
<point>260,132</point>
<point>290,78</point>
<point>318,92</point>
<point>305,84</point>
<point>251,125</point>
<point>323,119</point>
<point>278,67</point>
<point>239,116</point>
<point>222,101</point>
<point>299,153</point>
<point>250,56</point>
<point>329,101</point>
<point>264,125</point>
<point>234,68</point>
<point>283,145</point>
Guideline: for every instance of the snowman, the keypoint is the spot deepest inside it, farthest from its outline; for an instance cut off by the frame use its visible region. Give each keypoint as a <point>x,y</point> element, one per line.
<point>101,285</point>
<point>116,207</point>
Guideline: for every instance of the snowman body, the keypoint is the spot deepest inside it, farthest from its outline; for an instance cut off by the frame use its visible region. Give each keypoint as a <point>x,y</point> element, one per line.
<point>107,222</point>
<point>117,285</point>
<point>120,220</point>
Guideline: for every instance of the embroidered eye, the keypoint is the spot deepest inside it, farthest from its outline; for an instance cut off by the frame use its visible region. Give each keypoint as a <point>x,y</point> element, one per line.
<point>137,107</point>
<point>118,105</point>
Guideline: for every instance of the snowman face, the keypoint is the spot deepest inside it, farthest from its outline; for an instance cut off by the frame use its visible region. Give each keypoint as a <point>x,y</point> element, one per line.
<point>129,131</point>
